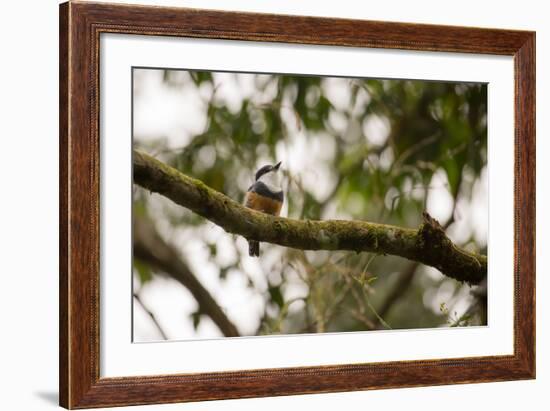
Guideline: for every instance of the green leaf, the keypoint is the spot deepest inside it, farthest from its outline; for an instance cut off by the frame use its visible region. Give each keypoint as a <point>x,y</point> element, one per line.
<point>144,271</point>
<point>212,248</point>
<point>276,295</point>
<point>453,174</point>
<point>224,271</point>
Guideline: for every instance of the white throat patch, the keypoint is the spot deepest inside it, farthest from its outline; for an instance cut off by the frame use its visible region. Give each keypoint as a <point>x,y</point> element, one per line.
<point>272,181</point>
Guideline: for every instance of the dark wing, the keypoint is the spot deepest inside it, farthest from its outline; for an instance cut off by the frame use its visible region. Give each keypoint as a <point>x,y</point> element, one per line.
<point>260,188</point>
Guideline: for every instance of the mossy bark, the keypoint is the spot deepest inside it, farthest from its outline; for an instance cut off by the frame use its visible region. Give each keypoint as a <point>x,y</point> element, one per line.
<point>428,244</point>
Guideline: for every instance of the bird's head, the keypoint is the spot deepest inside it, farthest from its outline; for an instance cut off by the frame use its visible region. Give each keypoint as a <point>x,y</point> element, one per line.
<point>265,170</point>
<point>269,175</point>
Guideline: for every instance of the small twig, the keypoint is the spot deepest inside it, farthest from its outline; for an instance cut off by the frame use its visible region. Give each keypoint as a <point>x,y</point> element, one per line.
<point>378,317</point>
<point>402,285</point>
<point>364,287</point>
<point>336,304</point>
<point>151,315</point>
<point>363,318</point>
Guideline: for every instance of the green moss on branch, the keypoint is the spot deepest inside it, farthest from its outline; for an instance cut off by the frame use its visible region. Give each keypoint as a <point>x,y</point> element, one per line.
<point>428,244</point>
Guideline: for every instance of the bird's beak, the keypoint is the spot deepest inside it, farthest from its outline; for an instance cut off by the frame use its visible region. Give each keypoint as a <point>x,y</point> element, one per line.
<point>276,166</point>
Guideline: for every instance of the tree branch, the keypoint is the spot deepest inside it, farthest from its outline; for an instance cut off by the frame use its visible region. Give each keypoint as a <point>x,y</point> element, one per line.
<point>428,244</point>
<point>151,248</point>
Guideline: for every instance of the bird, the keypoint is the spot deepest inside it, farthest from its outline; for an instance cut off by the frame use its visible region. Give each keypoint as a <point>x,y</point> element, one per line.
<point>266,196</point>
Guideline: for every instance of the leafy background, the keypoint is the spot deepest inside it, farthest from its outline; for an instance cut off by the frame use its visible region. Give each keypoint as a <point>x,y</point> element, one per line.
<point>362,149</point>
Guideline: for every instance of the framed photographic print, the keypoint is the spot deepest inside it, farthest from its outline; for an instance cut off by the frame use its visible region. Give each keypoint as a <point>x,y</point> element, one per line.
<point>257,205</point>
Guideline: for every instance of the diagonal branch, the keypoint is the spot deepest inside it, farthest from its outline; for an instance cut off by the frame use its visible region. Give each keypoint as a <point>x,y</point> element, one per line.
<point>151,248</point>
<point>428,244</point>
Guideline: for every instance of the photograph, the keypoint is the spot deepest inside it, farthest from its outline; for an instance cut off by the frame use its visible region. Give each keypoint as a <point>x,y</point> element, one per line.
<point>275,205</point>
<point>402,162</point>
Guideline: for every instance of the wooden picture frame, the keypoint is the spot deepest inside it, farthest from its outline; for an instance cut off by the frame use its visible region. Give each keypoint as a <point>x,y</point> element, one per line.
<point>80,27</point>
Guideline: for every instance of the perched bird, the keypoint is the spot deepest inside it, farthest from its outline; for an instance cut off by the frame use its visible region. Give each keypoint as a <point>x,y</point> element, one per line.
<point>264,195</point>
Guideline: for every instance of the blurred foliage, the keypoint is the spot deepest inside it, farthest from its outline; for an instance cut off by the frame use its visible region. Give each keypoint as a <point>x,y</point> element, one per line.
<point>376,149</point>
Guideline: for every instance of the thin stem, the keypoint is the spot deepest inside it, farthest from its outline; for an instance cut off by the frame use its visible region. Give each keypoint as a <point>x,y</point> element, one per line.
<point>151,316</point>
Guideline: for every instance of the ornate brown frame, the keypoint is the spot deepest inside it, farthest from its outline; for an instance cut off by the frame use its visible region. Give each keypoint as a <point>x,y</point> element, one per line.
<point>80,27</point>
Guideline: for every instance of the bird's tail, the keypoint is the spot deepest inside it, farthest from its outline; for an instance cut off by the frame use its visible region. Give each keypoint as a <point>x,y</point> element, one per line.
<point>253,248</point>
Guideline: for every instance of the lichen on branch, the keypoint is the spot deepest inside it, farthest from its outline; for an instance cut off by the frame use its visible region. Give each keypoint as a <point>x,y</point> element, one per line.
<point>428,244</point>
